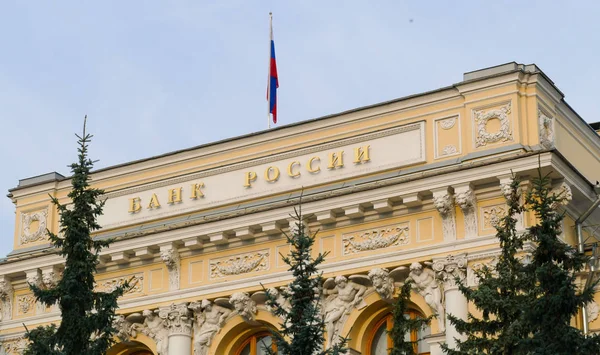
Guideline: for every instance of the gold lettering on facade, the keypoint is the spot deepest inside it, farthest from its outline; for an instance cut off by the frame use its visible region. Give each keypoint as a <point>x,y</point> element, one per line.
<point>197,190</point>
<point>135,204</point>
<point>174,196</point>
<point>310,167</point>
<point>336,160</point>
<point>274,176</point>
<point>249,178</point>
<point>290,169</point>
<point>361,154</point>
<point>154,202</point>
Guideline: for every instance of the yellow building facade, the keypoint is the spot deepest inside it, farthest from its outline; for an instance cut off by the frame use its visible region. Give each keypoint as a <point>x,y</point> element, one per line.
<point>407,188</point>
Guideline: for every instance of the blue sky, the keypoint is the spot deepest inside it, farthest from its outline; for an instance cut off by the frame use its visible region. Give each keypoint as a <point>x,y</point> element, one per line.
<point>157,76</point>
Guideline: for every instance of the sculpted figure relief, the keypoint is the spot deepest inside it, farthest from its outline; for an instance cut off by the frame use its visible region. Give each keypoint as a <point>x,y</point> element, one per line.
<point>382,282</point>
<point>342,297</point>
<point>244,305</point>
<point>210,318</point>
<point>425,283</point>
<point>155,327</point>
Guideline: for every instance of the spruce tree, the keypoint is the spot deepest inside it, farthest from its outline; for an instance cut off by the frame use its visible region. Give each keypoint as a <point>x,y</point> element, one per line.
<point>500,295</point>
<point>302,329</point>
<point>86,325</point>
<point>555,298</point>
<point>403,325</point>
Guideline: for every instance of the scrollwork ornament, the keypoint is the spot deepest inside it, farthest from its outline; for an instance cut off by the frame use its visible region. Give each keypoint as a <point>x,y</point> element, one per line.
<point>29,236</point>
<point>444,203</point>
<point>449,150</point>
<point>240,264</point>
<point>502,135</point>
<point>451,269</point>
<point>6,299</point>
<point>179,319</point>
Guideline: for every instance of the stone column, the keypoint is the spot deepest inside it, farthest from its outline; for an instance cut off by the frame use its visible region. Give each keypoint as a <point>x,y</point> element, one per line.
<point>449,270</point>
<point>179,325</point>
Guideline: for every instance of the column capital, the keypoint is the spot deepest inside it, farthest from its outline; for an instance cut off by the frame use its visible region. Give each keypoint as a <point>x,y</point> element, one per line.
<point>178,318</point>
<point>451,268</point>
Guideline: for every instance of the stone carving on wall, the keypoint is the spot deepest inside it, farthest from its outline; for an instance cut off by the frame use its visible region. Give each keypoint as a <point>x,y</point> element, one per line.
<point>240,264</point>
<point>502,135</point>
<point>474,268</point>
<point>448,123</point>
<point>171,258</point>
<point>376,239</point>
<point>136,284</point>
<point>50,279</point>
<point>546,126</point>
<point>244,305</point>
<point>466,200</point>
<point>14,345</point>
<point>492,215</point>
<point>279,299</point>
<point>27,234</point>
<point>505,188</point>
<point>450,269</point>
<point>449,149</point>
<point>443,201</point>
<point>179,319</point>
<point>343,295</point>
<point>210,318</point>
<point>564,193</point>
<point>6,298</point>
<point>382,282</point>
<point>25,303</point>
<point>155,327</point>
<point>592,310</point>
<point>128,327</point>
<point>424,282</point>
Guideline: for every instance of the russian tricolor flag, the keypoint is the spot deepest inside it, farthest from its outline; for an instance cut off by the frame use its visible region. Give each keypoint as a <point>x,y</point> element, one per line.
<point>273,82</point>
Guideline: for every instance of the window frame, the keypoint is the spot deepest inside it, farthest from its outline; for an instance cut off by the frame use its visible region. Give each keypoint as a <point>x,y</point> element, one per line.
<point>388,320</point>
<point>253,341</point>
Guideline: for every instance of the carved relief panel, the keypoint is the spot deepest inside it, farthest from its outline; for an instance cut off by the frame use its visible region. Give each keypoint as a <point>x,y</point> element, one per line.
<point>447,137</point>
<point>492,125</point>
<point>239,264</point>
<point>377,238</point>
<point>33,226</point>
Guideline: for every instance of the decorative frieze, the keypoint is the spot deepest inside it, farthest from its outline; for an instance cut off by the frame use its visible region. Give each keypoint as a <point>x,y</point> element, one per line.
<point>443,200</point>
<point>474,268</point>
<point>239,264</point>
<point>504,133</point>
<point>563,193</point>
<point>376,239</point>
<point>136,284</point>
<point>33,226</point>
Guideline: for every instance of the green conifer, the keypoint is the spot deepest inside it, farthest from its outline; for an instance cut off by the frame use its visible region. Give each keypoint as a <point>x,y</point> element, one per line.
<point>500,294</point>
<point>554,298</point>
<point>403,325</point>
<point>86,325</point>
<point>302,329</point>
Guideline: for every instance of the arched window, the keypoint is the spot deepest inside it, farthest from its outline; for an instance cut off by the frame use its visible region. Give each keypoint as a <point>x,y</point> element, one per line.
<point>380,341</point>
<point>255,344</point>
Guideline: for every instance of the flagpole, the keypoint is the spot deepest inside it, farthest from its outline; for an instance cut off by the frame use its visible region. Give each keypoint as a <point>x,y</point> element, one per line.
<point>269,73</point>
